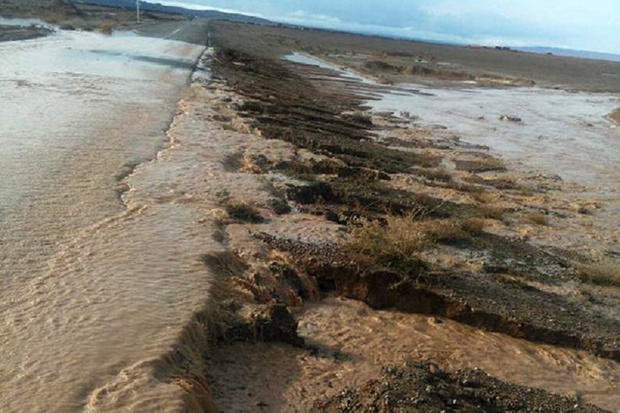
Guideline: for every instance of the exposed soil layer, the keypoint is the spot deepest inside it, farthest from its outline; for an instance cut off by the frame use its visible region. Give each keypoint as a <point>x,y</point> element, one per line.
<point>424,387</point>
<point>352,180</point>
<point>491,301</point>
<point>351,172</point>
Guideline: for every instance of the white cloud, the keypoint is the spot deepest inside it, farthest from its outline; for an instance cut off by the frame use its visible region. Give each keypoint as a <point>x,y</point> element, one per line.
<point>195,6</point>
<point>578,24</point>
<point>303,16</point>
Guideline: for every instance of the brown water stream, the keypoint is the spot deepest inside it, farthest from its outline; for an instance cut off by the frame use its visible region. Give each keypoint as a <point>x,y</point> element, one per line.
<point>356,341</point>
<point>93,290</point>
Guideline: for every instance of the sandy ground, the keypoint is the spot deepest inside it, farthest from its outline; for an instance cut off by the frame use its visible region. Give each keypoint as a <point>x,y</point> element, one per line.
<point>499,65</point>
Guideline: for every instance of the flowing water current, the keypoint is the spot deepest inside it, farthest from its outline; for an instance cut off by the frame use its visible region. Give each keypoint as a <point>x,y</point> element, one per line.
<point>97,277</point>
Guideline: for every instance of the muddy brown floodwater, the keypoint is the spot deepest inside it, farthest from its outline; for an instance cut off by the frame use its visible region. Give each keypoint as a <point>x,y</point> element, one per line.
<point>355,342</point>
<point>107,207</point>
<point>99,275</point>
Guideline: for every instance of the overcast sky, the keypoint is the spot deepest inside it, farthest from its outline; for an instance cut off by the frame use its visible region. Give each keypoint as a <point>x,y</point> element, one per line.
<point>575,24</point>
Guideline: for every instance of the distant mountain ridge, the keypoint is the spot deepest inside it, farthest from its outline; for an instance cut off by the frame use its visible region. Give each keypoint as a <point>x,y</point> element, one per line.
<point>156,7</point>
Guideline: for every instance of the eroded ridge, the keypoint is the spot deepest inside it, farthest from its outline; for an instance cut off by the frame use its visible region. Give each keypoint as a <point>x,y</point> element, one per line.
<point>343,194</point>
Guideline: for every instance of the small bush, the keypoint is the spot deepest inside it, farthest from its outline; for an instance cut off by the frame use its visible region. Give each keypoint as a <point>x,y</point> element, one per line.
<point>473,226</point>
<point>468,188</point>
<point>482,164</point>
<point>503,183</point>
<point>440,175</point>
<point>279,205</point>
<point>584,210</point>
<point>443,230</point>
<point>492,212</point>
<point>244,212</point>
<point>393,245</point>
<point>361,118</point>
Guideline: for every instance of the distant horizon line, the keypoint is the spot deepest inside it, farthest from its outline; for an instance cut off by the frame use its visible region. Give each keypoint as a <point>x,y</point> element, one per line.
<point>533,48</point>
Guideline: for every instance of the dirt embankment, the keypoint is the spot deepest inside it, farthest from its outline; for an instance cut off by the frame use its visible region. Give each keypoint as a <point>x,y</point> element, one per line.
<point>377,218</point>
<point>12,33</point>
<point>354,183</point>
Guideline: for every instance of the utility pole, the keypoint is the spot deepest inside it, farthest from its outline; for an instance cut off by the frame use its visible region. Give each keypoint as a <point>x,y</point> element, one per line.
<point>138,11</point>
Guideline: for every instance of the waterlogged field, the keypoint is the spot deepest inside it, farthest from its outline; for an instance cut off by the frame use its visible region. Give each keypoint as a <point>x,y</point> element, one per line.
<point>96,287</point>
<point>552,131</point>
<point>568,136</point>
<point>545,130</point>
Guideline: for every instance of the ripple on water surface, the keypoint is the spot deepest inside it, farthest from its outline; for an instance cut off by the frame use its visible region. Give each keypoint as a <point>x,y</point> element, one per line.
<point>92,293</point>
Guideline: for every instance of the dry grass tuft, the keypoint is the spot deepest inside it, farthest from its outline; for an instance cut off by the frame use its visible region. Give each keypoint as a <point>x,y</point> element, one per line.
<point>492,212</point>
<point>481,164</point>
<point>361,118</point>
<point>106,28</point>
<point>394,244</point>
<point>436,174</point>
<point>615,115</point>
<point>605,272</point>
<point>244,212</point>
<point>473,226</point>
<point>537,218</point>
<point>443,230</point>
<point>397,242</point>
<point>468,188</point>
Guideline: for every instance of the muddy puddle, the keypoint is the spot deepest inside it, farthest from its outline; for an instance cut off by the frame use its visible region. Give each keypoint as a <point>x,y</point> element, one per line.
<point>312,61</point>
<point>354,342</point>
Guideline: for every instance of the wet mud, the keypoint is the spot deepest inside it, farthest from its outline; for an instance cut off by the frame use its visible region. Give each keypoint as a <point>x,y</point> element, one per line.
<point>417,387</point>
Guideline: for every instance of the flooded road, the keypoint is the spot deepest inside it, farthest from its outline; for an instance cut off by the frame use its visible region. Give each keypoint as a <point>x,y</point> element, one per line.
<point>98,278</point>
